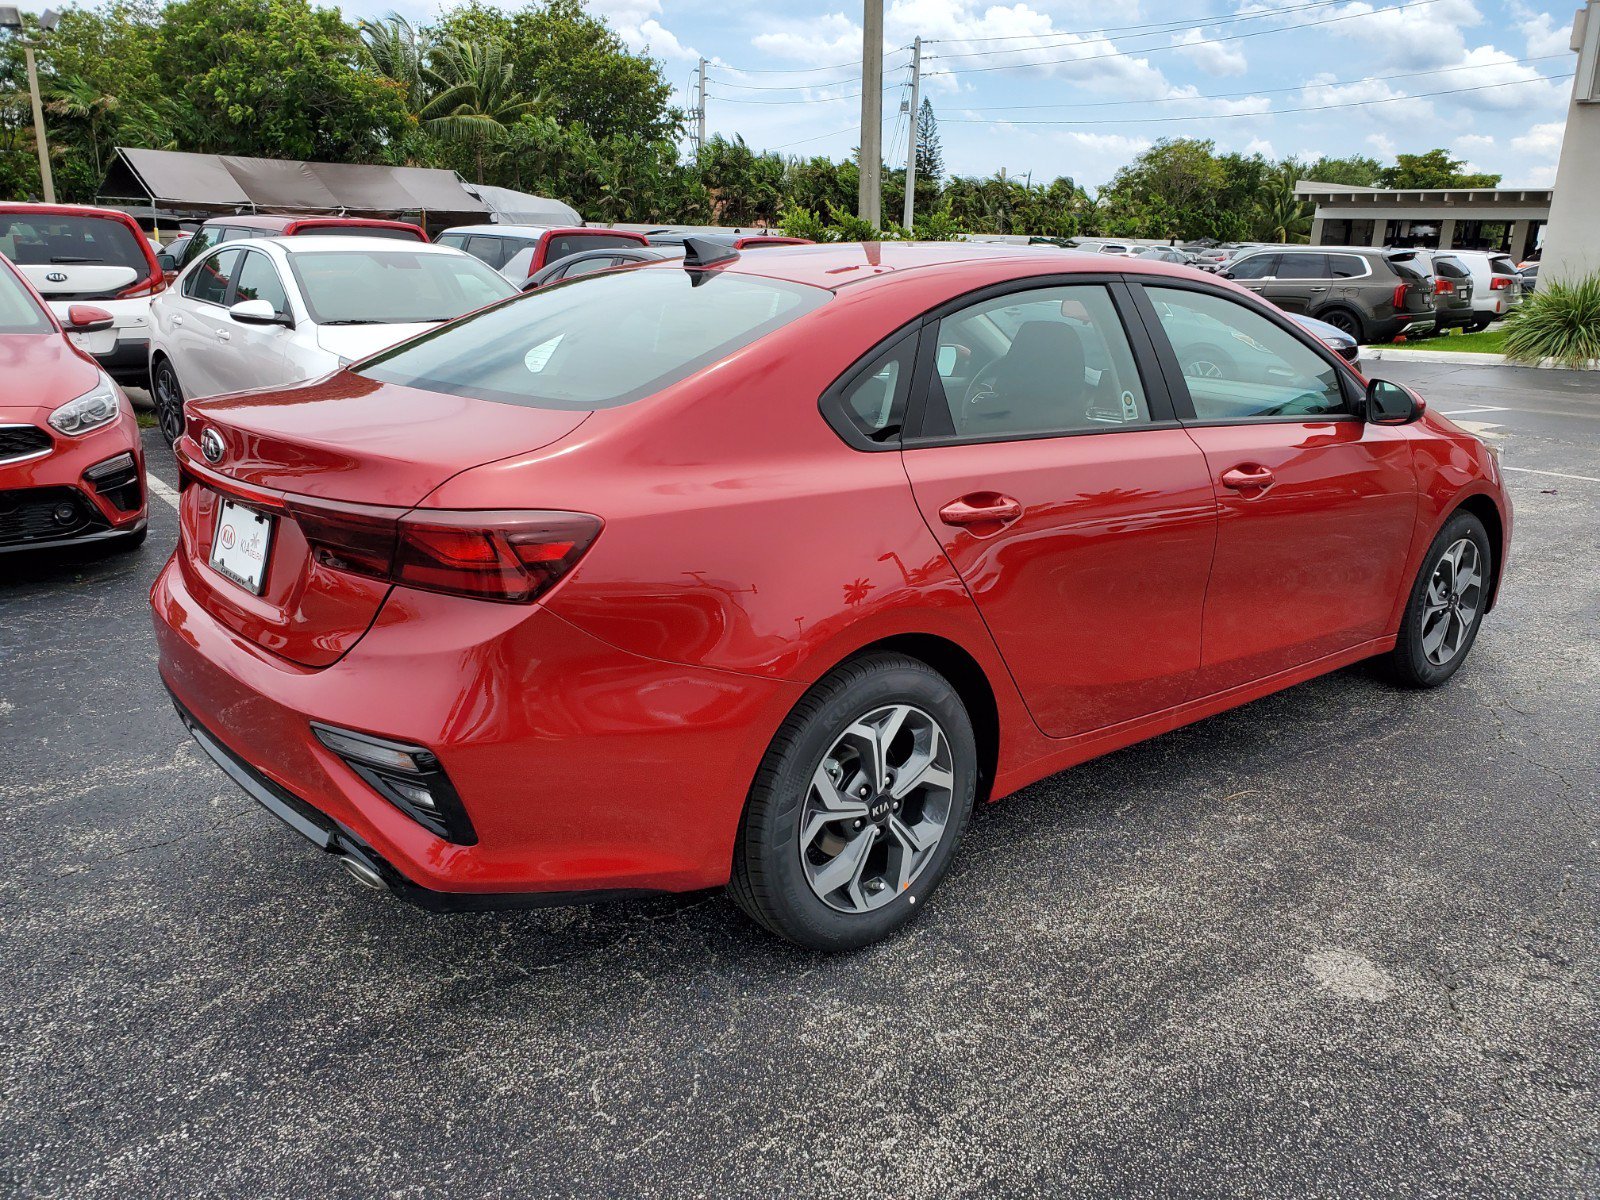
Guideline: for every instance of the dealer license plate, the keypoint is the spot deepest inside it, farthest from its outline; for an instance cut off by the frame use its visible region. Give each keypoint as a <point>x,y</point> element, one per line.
<point>240,547</point>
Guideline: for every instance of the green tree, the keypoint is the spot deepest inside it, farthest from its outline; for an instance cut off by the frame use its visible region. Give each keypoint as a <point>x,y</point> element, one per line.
<point>930,153</point>
<point>1434,169</point>
<point>472,96</point>
<point>1355,171</point>
<point>397,50</point>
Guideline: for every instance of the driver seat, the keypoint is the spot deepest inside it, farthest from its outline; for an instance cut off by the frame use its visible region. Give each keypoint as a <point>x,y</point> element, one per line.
<point>1039,384</point>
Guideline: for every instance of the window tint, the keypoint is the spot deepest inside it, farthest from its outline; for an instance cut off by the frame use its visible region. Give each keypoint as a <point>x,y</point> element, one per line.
<point>257,279</point>
<point>1238,364</point>
<point>587,266</point>
<point>1303,266</point>
<point>1048,360</point>
<point>40,238</point>
<point>385,286</point>
<point>204,238</point>
<point>1346,266</point>
<point>372,231</point>
<point>492,250</point>
<point>1451,268</point>
<point>456,241</point>
<point>1501,265</point>
<point>1256,266</point>
<point>574,243</point>
<point>19,311</point>
<point>619,337</point>
<point>874,402</point>
<point>232,233</point>
<point>207,281</point>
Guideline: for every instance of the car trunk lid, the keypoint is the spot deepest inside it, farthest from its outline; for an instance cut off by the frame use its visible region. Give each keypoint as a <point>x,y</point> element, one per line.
<point>342,454</point>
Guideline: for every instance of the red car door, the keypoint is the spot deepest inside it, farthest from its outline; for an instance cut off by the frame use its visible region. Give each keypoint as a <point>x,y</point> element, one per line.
<point>1316,507</point>
<point>1079,515</point>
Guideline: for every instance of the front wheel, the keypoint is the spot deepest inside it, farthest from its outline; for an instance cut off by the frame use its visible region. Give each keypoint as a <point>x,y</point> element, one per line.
<point>169,401</point>
<point>1447,604</point>
<point>858,805</point>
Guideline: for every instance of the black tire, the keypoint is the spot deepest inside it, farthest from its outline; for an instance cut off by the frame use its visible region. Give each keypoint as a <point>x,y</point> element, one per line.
<point>1410,663</point>
<point>168,397</point>
<point>769,880</point>
<point>1479,324</point>
<point>1344,321</point>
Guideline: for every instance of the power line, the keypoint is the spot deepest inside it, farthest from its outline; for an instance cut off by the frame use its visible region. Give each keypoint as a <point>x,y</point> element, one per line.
<point>1178,46</point>
<point>800,99</point>
<point>1271,112</point>
<point>798,87</point>
<point>1129,30</point>
<point>1512,62</point>
<point>854,64</point>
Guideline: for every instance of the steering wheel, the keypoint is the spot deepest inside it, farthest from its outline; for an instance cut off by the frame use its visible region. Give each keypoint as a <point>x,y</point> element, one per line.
<point>982,382</point>
<point>1312,409</point>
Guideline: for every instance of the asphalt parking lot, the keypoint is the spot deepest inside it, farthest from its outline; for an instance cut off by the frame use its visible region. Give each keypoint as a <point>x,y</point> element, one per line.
<point>1344,941</point>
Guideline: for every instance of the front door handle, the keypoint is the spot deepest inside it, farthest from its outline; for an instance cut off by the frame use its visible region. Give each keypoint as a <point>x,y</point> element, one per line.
<point>1320,288</point>
<point>1248,478</point>
<point>981,508</point>
<point>224,336</point>
<point>177,320</point>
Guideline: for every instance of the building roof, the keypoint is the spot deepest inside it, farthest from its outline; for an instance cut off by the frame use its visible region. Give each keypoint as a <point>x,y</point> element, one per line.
<point>1351,195</point>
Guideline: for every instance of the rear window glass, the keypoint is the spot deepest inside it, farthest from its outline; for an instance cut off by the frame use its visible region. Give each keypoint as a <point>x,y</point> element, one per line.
<point>601,342</point>
<point>566,244</point>
<point>1502,265</point>
<point>38,239</point>
<point>373,231</point>
<point>1451,268</point>
<point>19,311</point>
<point>393,287</point>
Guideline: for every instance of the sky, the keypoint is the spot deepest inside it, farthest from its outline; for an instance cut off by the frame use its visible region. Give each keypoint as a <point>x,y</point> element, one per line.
<point>1079,87</point>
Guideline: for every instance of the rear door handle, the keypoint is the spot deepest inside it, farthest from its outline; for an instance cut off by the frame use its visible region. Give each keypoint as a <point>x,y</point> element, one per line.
<point>981,508</point>
<point>1248,478</point>
<point>177,320</point>
<point>224,336</point>
<point>1320,288</point>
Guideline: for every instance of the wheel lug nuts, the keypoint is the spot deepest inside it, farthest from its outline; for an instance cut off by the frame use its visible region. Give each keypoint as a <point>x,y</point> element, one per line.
<point>859,823</point>
<point>864,792</point>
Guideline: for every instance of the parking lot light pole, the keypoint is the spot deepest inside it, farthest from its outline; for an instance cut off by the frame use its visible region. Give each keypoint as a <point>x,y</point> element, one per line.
<point>11,18</point>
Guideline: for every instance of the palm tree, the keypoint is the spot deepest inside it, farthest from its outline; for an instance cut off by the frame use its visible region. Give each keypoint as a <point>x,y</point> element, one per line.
<point>1281,216</point>
<point>395,49</point>
<point>473,97</point>
<point>75,98</point>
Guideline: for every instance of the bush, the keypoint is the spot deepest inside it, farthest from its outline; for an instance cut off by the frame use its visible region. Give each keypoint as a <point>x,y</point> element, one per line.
<point>803,223</point>
<point>1560,321</point>
<point>938,226</point>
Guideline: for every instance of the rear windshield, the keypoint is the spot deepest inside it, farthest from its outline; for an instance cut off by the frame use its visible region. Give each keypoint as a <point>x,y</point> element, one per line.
<point>38,239</point>
<point>19,311</point>
<point>374,231</point>
<point>599,341</point>
<point>391,287</point>
<point>1501,265</point>
<point>563,245</point>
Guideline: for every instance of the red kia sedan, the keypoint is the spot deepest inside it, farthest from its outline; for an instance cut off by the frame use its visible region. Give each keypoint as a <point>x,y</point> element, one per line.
<point>763,570</point>
<point>71,469</point>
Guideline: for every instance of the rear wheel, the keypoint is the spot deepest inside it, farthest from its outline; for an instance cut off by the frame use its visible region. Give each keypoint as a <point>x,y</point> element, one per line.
<point>1343,320</point>
<point>1479,324</point>
<point>858,805</point>
<point>1446,606</point>
<point>169,401</point>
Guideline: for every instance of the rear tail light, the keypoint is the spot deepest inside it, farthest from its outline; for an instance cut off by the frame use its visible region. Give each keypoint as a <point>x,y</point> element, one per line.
<point>1400,295</point>
<point>510,556</point>
<point>1499,283</point>
<point>145,287</point>
<point>1443,287</point>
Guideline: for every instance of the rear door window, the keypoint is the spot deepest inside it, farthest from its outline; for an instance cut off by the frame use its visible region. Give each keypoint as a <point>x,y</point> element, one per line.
<point>492,250</point>
<point>620,337</point>
<point>1299,265</point>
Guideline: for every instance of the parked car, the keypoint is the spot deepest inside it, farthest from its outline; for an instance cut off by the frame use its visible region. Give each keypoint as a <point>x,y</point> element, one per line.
<point>1497,285</point>
<point>1100,246</point>
<point>1450,282</point>
<point>71,470</point>
<point>228,229</point>
<point>1166,254</point>
<point>1373,295</point>
<point>1345,346</point>
<point>587,262</point>
<point>521,251</point>
<point>1529,277</point>
<point>587,594</point>
<point>275,311</point>
<point>739,241</point>
<point>174,251</point>
<point>73,254</point>
<point>1215,258</point>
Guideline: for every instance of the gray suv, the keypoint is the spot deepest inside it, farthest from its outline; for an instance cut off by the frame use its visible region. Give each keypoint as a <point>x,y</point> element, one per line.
<point>1373,295</point>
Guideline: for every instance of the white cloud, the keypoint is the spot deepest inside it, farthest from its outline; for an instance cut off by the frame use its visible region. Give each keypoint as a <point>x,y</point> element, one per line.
<point>830,38</point>
<point>1214,58</point>
<point>1546,35</point>
<point>1260,146</point>
<point>1389,103</point>
<point>636,24</point>
<point>1543,141</point>
<point>1469,143</point>
<point>1382,144</point>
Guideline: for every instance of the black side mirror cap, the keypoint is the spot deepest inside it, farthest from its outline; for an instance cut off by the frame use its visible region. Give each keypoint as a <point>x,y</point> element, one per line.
<point>1391,404</point>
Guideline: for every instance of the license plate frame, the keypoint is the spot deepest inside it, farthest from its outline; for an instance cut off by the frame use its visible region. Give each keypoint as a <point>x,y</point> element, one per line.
<point>241,545</point>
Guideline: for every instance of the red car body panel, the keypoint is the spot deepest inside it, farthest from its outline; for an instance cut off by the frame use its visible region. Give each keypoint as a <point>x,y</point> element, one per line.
<point>541,254</point>
<point>606,737</point>
<point>39,372</point>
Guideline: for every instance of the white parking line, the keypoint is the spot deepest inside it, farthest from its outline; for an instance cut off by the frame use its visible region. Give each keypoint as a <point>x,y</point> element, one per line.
<point>1463,412</point>
<point>1554,474</point>
<point>157,488</point>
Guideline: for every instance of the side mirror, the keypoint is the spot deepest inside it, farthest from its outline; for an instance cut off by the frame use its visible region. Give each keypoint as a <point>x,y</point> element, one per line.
<point>86,318</point>
<point>167,262</point>
<point>258,312</point>
<point>1390,404</point>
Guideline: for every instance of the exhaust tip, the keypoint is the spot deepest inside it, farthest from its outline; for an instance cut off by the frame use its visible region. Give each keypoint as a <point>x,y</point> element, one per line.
<point>362,872</point>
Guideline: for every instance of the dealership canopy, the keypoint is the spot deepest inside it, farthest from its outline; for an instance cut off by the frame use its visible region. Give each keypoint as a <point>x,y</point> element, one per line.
<point>208,184</point>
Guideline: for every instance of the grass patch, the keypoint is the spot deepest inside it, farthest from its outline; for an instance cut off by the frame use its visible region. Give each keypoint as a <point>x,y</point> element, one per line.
<point>1490,341</point>
<point>146,418</point>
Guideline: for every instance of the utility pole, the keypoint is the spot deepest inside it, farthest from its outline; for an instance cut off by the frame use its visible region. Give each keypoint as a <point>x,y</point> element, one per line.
<point>11,18</point>
<point>700,112</point>
<point>911,135</point>
<point>870,196</point>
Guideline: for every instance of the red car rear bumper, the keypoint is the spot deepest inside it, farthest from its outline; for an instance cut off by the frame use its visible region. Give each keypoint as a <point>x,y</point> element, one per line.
<point>77,476</point>
<point>584,769</point>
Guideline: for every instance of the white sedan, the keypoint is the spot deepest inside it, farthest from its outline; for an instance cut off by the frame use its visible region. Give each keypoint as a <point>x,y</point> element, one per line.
<point>274,311</point>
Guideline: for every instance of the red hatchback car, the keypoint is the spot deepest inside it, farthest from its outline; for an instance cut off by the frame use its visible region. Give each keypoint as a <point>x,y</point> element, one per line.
<point>767,569</point>
<point>71,469</point>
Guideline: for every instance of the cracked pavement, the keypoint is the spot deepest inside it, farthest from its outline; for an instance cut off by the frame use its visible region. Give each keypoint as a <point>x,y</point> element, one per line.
<point>1341,942</point>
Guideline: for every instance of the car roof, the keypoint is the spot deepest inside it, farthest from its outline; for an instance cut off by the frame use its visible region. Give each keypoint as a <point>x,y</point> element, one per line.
<point>275,221</point>
<point>367,245</point>
<point>833,265</point>
<point>511,230</point>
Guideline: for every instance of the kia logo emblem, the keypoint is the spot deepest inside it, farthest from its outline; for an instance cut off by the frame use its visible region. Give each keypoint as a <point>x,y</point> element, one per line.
<point>211,446</point>
<point>56,277</point>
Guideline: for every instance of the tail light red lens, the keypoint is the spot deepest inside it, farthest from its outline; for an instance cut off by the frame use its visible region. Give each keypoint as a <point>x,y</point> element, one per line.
<point>1400,295</point>
<point>145,287</point>
<point>509,556</point>
<point>1499,283</point>
<point>1443,287</point>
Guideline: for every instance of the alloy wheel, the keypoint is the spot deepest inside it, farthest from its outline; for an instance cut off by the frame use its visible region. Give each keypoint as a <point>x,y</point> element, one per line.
<point>169,403</point>
<point>1454,595</point>
<point>877,808</point>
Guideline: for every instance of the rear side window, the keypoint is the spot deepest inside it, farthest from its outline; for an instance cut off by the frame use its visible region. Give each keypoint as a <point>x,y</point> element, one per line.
<point>492,250</point>
<point>616,339</point>
<point>871,401</point>
<point>567,244</point>
<point>41,239</point>
<point>1240,366</point>
<point>372,231</point>
<point>207,282</point>
<point>19,311</point>
<point>1346,266</point>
